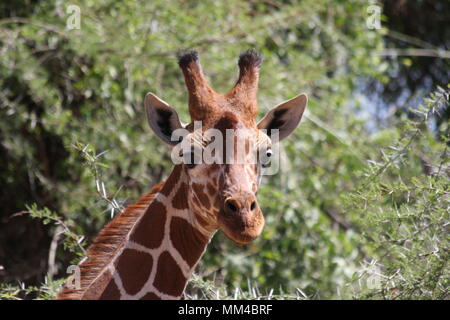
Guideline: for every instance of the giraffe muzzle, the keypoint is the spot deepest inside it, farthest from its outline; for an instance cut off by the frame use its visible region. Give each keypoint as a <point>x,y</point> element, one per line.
<point>241,218</point>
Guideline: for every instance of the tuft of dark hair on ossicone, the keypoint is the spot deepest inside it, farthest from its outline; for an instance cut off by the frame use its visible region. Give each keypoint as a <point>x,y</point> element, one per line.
<point>185,57</point>
<point>250,58</point>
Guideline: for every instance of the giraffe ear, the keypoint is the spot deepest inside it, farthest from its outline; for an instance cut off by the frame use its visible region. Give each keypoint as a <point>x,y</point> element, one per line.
<point>163,119</point>
<point>285,117</point>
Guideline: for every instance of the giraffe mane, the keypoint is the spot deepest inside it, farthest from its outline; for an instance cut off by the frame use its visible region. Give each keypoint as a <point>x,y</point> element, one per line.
<point>108,241</point>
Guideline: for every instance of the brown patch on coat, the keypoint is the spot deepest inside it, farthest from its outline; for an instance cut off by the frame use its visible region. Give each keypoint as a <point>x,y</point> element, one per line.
<point>150,296</point>
<point>134,268</point>
<point>150,229</point>
<point>201,195</point>
<point>220,182</point>
<point>211,189</point>
<point>180,198</point>
<point>172,181</point>
<point>189,242</point>
<point>169,278</point>
<point>217,202</point>
<point>111,292</point>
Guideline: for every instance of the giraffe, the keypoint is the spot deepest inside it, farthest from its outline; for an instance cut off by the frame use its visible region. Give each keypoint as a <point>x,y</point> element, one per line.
<point>150,250</point>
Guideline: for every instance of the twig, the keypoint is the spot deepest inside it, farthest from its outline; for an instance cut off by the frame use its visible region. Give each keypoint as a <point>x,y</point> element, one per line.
<point>411,40</point>
<point>412,52</point>
<point>45,26</point>
<point>52,252</point>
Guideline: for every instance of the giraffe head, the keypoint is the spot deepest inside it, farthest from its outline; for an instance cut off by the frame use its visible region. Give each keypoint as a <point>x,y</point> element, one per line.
<point>223,150</point>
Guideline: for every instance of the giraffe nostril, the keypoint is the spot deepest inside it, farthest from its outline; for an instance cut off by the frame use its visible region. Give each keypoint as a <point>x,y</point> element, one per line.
<point>253,206</point>
<point>231,206</point>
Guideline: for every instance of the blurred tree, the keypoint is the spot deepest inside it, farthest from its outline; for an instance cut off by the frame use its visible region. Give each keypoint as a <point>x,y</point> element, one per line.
<point>418,51</point>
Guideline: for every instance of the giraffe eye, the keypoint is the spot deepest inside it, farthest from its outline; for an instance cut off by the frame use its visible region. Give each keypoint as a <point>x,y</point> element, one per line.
<point>265,158</point>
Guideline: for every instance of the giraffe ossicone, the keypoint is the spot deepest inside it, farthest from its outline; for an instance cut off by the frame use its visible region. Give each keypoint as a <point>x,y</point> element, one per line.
<point>150,250</point>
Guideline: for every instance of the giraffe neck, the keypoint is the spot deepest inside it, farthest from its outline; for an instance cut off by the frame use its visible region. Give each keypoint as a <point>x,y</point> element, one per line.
<point>160,252</point>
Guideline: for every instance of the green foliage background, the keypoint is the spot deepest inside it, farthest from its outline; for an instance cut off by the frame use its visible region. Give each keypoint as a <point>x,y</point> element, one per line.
<point>359,209</point>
